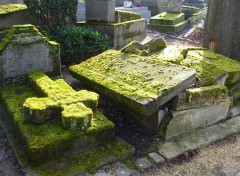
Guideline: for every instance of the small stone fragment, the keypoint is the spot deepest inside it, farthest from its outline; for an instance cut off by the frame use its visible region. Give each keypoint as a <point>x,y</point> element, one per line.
<point>143,163</point>
<point>156,157</point>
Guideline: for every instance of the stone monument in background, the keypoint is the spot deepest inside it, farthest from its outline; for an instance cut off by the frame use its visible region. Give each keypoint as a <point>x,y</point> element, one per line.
<point>174,6</point>
<point>100,11</point>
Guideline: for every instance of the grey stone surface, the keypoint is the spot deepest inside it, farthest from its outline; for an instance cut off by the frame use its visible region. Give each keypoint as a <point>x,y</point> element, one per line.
<point>237,174</point>
<point>102,174</point>
<point>199,138</point>
<point>16,18</point>
<point>199,97</point>
<point>234,110</point>
<point>180,122</point>
<point>156,157</point>
<point>174,6</point>
<point>143,11</point>
<point>100,11</point>
<point>155,6</point>
<point>4,2</point>
<point>143,163</point>
<point>33,53</point>
<point>124,171</point>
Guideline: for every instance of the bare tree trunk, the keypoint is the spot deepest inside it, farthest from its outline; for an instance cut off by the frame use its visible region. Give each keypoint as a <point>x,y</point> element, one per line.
<point>222,29</point>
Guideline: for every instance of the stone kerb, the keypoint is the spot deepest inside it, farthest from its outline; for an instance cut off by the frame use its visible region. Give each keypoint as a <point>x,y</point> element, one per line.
<point>75,108</point>
<point>24,49</point>
<point>174,6</point>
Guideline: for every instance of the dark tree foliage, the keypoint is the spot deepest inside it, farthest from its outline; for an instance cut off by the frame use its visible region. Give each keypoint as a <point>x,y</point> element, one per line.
<point>52,13</point>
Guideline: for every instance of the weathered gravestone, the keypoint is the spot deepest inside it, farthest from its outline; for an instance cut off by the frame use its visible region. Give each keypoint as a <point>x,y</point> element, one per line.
<point>174,6</point>
<point>139,83</point>
<point>100,11</point>
<point>25,49</point>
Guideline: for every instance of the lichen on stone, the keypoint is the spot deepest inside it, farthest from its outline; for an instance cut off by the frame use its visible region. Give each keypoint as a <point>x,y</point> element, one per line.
<point>10,8</point>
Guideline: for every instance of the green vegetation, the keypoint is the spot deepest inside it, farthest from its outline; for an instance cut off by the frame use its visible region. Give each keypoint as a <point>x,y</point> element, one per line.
<point>50,139</point>
<point>53,13</point>
<point>10,8</point>
<point>78,43</point>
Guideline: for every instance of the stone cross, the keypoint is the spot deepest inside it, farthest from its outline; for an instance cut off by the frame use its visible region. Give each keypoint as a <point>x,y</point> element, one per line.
<point>100,11</point>
<point>74,108</point>
<point>174,6</point>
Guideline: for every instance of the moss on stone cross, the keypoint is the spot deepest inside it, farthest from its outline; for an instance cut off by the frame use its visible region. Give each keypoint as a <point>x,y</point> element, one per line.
<point>75,108</point>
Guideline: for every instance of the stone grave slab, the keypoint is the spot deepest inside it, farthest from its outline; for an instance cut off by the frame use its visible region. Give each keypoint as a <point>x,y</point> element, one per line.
<point>174,6</point>
<point>166,22</point>
<point>143,11</point>
<point>34,52</point>
<point>141,83</point>
<point>50,137</point>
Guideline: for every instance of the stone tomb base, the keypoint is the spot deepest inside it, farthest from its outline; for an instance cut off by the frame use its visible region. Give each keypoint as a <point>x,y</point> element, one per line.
<point>140,83</point>
<point>128,27</point>
<point>143,11</point>
<point>169,23</point>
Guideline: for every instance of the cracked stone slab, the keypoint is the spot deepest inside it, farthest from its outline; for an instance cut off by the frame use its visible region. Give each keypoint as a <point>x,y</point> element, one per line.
<point>141,83</point>
<point>143,163</point>
<point>200,138</point>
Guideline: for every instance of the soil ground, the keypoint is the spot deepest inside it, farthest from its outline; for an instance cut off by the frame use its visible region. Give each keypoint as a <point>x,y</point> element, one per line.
<point>219,159</point>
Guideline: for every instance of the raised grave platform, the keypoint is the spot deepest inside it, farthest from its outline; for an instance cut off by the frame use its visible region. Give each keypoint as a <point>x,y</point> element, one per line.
<point>56,129</point>
<point>143,11</point>
<point>169,23</point>
<point>140,83</point>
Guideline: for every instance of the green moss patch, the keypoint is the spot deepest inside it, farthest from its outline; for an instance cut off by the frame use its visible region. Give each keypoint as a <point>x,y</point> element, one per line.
<point>75,108</point>
<point>29,33</point>
<point>50,138</point>
<point>212,68</point>
<point>135,81</point>
<point>124,16</point>
<point>11,8</point>
<point>167,18</point>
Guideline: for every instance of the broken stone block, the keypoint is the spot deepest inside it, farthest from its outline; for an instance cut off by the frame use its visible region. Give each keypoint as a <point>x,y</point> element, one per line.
<point>174,6</point>
<point>179,122</point>
<point>143,163</point>
<point>34,53</point>
<point>199,97</point>
<point>234,110</point>
<point>75,108</point>
<point>134,48</point>
<point>156,157</point>
<point>212,68</point>
<point>143,84</point>
<point>156,45</point>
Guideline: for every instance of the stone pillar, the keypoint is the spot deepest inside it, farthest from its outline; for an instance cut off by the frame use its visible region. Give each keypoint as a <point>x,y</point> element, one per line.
<point>100,11</point>
<point>155,6</point>
<point>174,6</point>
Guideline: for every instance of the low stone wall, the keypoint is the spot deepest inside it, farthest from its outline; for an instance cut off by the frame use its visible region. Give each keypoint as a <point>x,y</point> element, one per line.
<point>121,33</point>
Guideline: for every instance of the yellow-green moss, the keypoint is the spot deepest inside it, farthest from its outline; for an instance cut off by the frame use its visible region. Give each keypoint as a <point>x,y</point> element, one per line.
<point>10,8</point>
<point>212,67</point>
<point>48,139</point>
<point>168,16</point>
<point>125,16</point>
<point>25,29</point>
